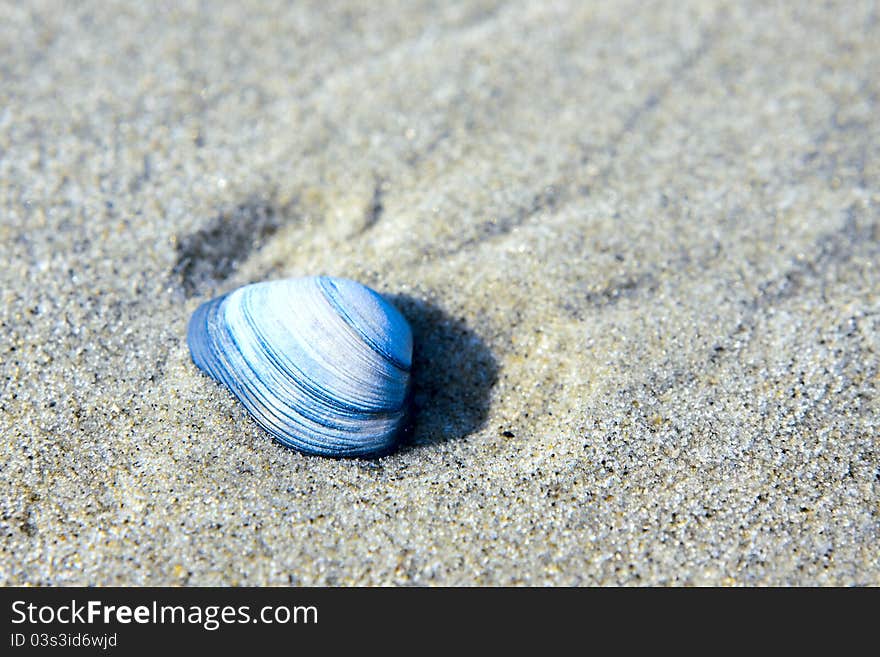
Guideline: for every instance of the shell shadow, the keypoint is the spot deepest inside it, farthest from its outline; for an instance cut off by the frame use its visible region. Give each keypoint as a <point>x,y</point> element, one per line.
<point>453,374</point>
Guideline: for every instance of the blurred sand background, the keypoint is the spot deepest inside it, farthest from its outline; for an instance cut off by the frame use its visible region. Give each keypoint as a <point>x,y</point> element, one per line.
<point>638,242</point>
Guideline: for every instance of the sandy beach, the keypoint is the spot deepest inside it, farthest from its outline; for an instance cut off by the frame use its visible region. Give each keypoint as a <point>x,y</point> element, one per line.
<point>638,244</point>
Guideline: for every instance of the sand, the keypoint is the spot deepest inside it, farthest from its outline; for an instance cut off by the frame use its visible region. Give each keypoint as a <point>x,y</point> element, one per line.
<point>639,244</point>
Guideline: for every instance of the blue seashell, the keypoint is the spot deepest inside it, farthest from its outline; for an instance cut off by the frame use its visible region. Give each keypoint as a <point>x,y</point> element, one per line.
<point>323,364</point>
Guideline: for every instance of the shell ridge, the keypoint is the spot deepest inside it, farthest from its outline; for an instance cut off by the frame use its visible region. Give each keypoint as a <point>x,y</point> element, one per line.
<point>224,371</point>
<point>262,408</point>
<point>330,366</point>
<point>324,282</point>
<point>303,381</point>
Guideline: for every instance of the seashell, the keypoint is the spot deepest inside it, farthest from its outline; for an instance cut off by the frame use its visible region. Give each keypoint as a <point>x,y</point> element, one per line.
<point>323,364</point>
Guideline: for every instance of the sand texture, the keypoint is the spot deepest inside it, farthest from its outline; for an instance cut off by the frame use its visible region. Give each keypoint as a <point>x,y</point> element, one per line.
<point>638,242</point>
